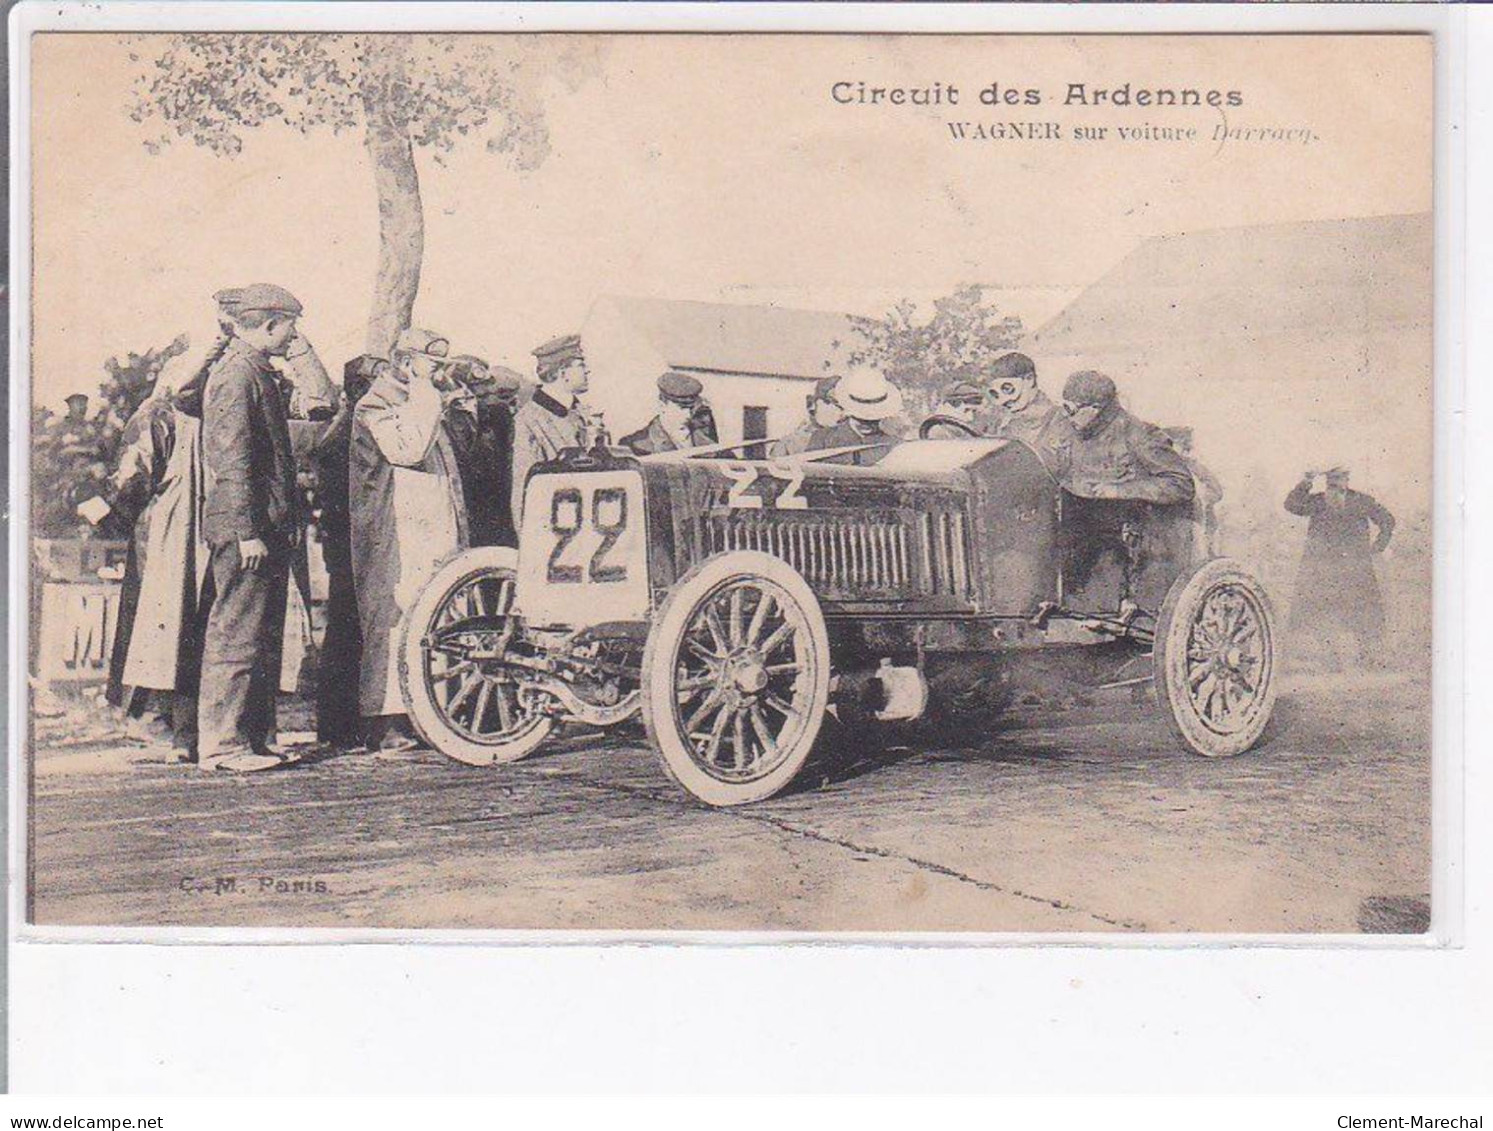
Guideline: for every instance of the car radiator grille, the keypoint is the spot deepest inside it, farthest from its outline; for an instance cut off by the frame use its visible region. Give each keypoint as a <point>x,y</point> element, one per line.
<point>855,557</point>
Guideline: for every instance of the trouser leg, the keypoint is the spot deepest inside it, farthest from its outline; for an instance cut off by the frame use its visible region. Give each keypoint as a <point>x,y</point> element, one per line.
<point>241,654</point>
<point>189,671</point>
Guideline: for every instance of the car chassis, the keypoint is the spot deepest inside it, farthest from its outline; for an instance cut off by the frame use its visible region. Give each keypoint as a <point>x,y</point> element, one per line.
<point>756,595</point>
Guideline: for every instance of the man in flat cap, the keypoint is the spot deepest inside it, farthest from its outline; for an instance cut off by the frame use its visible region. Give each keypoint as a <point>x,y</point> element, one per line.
<point>552,421</point>
<point>679,421</point>
<point>822,411</point>
<point>251,522</point>
<point>407,513</point>
<point>1020,410</point>
<point>1128,502</point>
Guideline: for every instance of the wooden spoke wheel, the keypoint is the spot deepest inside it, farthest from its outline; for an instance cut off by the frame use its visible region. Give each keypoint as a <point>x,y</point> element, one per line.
<point>736,678</point>
<point>461,697</point>
<point>1215,659</point>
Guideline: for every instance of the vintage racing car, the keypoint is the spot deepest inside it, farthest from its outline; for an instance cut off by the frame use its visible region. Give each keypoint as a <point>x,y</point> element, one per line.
<point>732,599</point>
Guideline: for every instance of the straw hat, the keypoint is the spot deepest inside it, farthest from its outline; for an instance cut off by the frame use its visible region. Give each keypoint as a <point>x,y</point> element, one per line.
<point>866,394</point>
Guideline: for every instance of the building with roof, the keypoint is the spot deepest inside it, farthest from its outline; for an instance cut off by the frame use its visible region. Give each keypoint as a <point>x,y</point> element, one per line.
<point>1284,346</point>
<point>757,363</point>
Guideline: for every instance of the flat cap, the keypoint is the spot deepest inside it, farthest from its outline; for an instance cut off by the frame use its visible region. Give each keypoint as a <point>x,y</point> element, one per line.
<point>962,392</point>
<point>1089,387</point>
<point>1011,367</point>
<point>415,340</point>
<point>258,296</point>
<point>679,387</point>
<point>557,353</point>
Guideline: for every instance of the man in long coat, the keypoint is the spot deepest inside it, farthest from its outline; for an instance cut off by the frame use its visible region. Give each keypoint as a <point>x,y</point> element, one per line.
<point>157,641</point>
<point>406,515</point>
<point>338,721</point>
<point>552,421</point>
<point>1336,588</point>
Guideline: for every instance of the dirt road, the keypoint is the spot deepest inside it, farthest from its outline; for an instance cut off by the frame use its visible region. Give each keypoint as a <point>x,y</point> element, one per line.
<point>1088,819</point>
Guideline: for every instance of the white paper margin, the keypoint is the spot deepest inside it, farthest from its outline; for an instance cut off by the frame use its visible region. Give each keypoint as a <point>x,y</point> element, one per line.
<point>517,1014</point>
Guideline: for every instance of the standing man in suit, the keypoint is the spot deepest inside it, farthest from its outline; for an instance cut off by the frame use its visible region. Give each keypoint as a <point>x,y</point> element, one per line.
<point>552,420</point>
<point>251,523</point>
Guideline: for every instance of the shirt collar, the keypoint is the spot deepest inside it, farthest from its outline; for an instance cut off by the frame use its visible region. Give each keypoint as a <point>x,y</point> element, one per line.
<point>257,356</point>
<point>550,404</point>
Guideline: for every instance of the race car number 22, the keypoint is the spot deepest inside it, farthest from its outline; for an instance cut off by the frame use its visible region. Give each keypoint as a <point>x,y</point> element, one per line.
<point>568,518</point>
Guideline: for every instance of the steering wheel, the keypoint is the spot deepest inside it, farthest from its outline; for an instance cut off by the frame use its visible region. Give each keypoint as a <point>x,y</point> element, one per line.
<point>926,428</point>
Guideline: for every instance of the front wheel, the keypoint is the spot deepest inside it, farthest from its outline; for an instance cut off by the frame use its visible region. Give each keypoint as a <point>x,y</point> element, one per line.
<point>736,678</point>
<point>460,696</point>
<point>1214,664</point>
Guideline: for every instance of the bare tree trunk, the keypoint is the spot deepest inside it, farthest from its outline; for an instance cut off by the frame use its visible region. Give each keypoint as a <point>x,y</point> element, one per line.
<point>401,216</point>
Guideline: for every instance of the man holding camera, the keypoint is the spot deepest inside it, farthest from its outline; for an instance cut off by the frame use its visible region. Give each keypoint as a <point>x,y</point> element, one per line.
<point>406,512</point>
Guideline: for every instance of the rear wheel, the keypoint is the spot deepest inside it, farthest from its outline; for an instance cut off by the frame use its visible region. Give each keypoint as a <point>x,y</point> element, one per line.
<point>464,702</point>
<point>736,678</point>
<point>1214,664</point>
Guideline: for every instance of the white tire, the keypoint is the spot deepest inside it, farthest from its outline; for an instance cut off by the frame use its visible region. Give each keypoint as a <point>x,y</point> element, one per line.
<point>1214,661</point>
<point>736,677</point>
<point>471,711</point>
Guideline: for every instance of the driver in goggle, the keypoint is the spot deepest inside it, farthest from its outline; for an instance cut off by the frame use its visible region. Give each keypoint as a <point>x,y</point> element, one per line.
<point>1019,410</point>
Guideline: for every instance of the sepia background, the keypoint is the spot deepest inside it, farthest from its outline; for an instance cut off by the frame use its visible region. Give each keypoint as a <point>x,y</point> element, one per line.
<point>707,194</point>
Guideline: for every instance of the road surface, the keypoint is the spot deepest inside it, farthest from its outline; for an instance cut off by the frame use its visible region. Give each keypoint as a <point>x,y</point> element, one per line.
<point>1085,819</point>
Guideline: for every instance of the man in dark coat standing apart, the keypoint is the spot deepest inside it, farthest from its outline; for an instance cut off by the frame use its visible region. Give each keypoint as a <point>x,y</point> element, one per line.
<point>1336,589</point>
<point>251,521</point>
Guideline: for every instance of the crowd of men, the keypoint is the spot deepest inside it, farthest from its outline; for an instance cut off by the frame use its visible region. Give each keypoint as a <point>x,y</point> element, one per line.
<point>423,453</point>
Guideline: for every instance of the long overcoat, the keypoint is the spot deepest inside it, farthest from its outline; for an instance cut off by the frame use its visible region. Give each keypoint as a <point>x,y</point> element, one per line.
<point>162,455</point>
<point>406,516</point>
<point>1336,587</point>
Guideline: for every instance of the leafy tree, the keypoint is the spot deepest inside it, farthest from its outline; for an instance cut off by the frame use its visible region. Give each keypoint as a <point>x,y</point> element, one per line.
<point>403,92</point>
<point>74,459</point>
<point>922,355</point>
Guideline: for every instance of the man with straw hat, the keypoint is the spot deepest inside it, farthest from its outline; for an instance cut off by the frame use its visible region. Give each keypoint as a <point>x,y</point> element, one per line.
<point>869,402</point>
